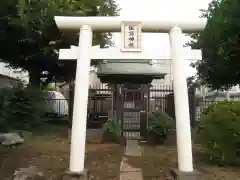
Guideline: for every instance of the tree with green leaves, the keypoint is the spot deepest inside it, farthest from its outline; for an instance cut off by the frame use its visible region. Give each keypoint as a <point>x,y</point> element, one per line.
<point>29,38</point>
<point>220,44</point>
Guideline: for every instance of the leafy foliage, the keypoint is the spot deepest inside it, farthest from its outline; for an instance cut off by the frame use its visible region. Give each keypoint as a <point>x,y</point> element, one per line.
<point>50,87</point>
<point>160,123</point>
<point>21,108</point>
<point>193,82</point>
<point>219,132</point>
<point>220,45</point>
<point>30,40</point>
<point>114,129</point>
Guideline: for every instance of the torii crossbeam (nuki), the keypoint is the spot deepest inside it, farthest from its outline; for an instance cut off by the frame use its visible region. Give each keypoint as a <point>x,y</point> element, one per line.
<point>115,53</point>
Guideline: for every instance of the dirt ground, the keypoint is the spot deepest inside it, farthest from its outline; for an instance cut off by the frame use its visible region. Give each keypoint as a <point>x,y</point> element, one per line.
<point>157,162</point>
<point>50,154</point>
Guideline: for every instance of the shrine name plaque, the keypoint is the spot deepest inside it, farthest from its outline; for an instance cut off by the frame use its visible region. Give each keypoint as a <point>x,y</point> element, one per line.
<point>131,35</point>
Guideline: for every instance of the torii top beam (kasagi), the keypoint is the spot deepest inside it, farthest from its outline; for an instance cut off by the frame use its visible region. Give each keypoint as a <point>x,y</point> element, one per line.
<point>113,24</point>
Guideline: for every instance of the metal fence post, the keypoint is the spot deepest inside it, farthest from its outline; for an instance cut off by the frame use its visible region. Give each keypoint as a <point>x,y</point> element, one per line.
<point>192,106</point>
<point>70,101</point>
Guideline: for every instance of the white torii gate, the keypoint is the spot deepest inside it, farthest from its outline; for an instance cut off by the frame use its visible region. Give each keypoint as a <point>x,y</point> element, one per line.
<point>85,52</point>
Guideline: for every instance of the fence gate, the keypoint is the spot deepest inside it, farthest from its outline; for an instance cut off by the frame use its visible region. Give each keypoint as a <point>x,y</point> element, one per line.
<point>134,113</point>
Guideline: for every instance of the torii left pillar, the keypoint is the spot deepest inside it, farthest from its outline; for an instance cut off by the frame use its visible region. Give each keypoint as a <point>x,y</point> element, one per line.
<point>78,137</point>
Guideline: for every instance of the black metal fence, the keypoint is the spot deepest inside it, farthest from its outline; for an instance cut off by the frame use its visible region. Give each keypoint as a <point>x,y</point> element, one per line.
<point>158,98</point>
<point>101,100</point>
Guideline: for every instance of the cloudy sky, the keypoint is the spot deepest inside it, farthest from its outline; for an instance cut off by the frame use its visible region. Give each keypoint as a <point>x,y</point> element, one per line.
<point>154,9</point>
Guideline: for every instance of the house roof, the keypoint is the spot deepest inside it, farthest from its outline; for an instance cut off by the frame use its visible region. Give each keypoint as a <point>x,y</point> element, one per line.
<point>8,77</point>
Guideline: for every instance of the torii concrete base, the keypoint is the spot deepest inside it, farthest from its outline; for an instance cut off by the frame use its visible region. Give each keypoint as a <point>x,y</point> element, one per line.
<point>178,175</point>
<point>75,176</point>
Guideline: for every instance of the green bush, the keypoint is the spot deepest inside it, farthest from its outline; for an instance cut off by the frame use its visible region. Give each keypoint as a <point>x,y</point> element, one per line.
<point>50,87</point>
<point>114,128</point>
<point>219,132</point>
<point>160,124</point>
<point>21,108</point>
<point>209,108</point>
<point>113,131</point>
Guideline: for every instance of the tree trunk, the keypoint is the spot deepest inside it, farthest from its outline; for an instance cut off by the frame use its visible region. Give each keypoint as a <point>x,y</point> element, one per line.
<point>34,78</point>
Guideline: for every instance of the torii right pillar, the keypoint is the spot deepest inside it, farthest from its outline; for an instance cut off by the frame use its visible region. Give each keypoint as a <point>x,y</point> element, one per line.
<point>185,169</point>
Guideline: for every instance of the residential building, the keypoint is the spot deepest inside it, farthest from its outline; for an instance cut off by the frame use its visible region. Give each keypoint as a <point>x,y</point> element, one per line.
<point>19,74</point>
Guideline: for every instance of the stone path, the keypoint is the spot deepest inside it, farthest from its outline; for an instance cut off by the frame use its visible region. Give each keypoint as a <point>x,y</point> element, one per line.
<point>132,148</point>
<point>128,172</point>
